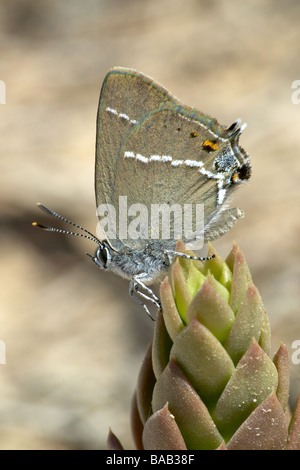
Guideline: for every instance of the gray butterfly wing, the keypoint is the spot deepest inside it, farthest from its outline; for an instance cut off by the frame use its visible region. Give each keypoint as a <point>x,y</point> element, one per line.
<point>150,149</point>
<point>177,156</point>
<point>126,98</point>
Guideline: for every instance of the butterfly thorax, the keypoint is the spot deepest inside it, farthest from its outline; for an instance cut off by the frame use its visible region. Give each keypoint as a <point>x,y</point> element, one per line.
<point>128,263</point>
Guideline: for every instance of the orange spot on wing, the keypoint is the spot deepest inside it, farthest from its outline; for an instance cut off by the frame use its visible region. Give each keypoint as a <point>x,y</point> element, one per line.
<point>235,177</point>
<point>209,144</point>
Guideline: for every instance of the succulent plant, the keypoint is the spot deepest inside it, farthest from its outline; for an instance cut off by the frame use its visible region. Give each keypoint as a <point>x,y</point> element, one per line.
<point>207,380</point>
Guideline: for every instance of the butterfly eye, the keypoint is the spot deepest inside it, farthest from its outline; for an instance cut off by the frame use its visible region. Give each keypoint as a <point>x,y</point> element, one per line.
<point>101,256</point>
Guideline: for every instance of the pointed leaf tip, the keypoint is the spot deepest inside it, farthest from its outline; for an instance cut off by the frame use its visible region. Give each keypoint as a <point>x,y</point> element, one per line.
<point>282,363</point>
<point>240,282</point>
<point>113,442</point>
<point>161,432</point>
<point>231,257</point>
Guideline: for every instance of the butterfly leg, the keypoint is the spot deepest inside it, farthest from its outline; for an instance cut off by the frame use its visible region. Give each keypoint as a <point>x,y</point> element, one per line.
<point>138,282</point>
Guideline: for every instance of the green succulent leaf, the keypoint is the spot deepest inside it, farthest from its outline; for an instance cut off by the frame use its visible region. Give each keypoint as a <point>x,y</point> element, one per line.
<point>241,281</point>
<point>183,296</point>
<point>203,359</point>
<point>254,378</point>
<point>172,319</point>
<point>247,324</point>
<point>264,429</point>
<point>161,346</point>
<point>212,310</point>
<point>191,415</point>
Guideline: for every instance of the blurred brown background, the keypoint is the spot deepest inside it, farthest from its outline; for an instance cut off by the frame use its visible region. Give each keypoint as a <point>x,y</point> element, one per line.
<point>74,338</point>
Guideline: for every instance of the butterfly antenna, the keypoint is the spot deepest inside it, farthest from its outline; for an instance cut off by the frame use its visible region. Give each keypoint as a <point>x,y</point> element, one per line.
<point>89,235</point>
<point>183,255</point>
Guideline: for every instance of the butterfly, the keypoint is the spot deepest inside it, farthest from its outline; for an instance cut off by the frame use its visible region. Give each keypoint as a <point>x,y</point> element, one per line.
<point>155,155</point>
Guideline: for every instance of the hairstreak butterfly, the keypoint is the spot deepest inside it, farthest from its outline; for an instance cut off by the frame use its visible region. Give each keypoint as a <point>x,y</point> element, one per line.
<point>155,155</point>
